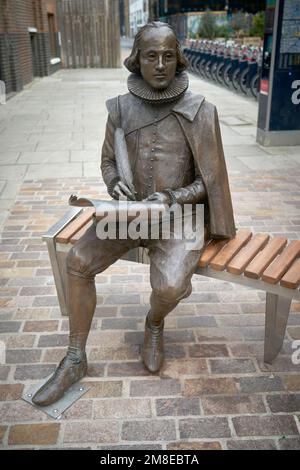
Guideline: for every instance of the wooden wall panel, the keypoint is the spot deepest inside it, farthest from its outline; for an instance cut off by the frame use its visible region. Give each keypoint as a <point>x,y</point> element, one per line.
<point>90,33</point>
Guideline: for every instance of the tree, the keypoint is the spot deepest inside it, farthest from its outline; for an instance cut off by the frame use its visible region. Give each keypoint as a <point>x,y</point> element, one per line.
<point>258,25</point>
<point>223,31</point>
<point>208,26</point>
<point>239,23</point>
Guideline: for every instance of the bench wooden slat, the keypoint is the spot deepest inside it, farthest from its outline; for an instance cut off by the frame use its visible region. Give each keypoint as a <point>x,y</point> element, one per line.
<point>238,264</point>
<point>282,263</point>
<point>265,257</point>
<point>291,279</point>
<point>210,251</point>
<point>65,235</point>
<point>80,232</point>
<point>230,250</point>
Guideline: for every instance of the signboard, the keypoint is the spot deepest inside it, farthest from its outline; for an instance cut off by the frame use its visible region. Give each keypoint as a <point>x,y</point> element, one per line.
<point>279,99</point>
<point>290,33</point>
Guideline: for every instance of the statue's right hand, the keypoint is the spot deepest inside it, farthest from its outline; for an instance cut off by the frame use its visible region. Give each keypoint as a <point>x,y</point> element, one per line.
<point>121,191</point>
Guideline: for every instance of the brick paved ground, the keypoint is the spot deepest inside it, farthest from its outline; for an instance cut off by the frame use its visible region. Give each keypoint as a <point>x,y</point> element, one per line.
<point>214,392</point>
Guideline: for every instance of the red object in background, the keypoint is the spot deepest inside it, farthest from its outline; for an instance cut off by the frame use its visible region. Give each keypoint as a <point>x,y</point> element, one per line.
<point>264,86</point>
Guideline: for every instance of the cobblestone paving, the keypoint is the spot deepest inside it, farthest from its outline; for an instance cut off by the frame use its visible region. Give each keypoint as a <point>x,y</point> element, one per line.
<point>214,391</point>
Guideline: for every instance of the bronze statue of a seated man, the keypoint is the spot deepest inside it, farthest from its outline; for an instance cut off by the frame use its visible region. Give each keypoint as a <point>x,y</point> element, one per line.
<point>175,154</point>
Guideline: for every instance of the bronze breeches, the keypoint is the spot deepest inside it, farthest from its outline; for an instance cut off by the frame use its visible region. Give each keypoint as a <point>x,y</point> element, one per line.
<point>171,264</point>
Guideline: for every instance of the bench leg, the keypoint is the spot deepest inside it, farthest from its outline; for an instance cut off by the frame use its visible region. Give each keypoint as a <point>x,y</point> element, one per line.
<point>277,313</point>
<point>58,264</point>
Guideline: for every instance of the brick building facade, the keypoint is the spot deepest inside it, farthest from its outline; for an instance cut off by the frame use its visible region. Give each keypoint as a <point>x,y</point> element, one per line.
<point>29,41</point>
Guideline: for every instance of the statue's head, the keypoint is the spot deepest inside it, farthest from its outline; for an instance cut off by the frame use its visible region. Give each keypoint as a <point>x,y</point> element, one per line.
<point>156,55</point>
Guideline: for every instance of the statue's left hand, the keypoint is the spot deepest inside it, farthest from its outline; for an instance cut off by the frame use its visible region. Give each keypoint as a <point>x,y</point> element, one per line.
<point>159,197</point>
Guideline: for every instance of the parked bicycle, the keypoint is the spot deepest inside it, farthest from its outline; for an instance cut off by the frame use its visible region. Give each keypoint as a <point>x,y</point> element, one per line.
<point>227,63</point>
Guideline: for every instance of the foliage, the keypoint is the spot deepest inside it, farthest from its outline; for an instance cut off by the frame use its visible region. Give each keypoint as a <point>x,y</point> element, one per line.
<point>258,25</point>
<point>240,23</point>
<point>223,31</point>
<point>208,26</point>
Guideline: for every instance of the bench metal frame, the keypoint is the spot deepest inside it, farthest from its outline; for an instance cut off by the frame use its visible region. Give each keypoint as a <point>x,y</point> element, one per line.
<point>278,298</point>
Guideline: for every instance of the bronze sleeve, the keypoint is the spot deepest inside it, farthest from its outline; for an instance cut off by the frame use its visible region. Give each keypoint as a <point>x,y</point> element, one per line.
<point>108,162</point>
<point>193,193</point>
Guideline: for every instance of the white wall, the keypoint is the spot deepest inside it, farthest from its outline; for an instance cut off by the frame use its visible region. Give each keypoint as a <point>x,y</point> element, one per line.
<point>138,15</point>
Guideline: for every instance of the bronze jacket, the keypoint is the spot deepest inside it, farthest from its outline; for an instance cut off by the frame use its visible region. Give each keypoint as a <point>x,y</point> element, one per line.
<point>200,125</point>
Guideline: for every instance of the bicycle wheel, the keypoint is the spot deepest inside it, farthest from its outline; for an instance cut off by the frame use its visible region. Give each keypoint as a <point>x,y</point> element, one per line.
<point>219,73</point>
<point>235,79</point>
<point>213,71</point>
<point>196,65</point>
<point>254,85</point>
<point>192,60</point>
<point>202,67</point>
<point>244,80</point>
<point>207,69</point>
<point>226,76</point>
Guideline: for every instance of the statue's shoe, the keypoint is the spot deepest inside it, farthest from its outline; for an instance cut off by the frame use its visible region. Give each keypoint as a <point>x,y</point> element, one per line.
<point>67,373</point>
<point>153,347</point>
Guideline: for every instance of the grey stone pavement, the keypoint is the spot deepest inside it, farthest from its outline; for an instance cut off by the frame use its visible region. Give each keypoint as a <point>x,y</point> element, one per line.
<point>214,390</point>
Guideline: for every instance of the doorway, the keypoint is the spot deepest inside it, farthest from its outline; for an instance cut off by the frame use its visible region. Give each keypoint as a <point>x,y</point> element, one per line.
<point>34,54</point>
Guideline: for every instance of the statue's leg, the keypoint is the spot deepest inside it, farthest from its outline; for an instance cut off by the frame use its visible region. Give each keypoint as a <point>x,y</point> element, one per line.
<point>171,270</point>
<point>88,257</point>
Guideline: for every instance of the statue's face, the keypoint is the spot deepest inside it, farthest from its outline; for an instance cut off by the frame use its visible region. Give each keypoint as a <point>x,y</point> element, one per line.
<point>158,57</point>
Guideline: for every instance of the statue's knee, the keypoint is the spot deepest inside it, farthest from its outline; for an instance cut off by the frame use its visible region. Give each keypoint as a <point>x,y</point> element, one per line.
<point>77,262</point>
<point>173,291</point>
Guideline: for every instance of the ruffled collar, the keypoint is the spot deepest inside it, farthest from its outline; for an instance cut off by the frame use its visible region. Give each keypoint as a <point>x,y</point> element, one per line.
<point>140,88</point>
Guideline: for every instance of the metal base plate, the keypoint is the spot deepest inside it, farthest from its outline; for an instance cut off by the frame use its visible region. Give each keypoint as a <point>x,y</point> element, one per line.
<point>58,408</point>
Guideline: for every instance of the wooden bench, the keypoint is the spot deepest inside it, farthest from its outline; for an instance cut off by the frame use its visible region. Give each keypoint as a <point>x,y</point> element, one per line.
<point>254,260</point>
